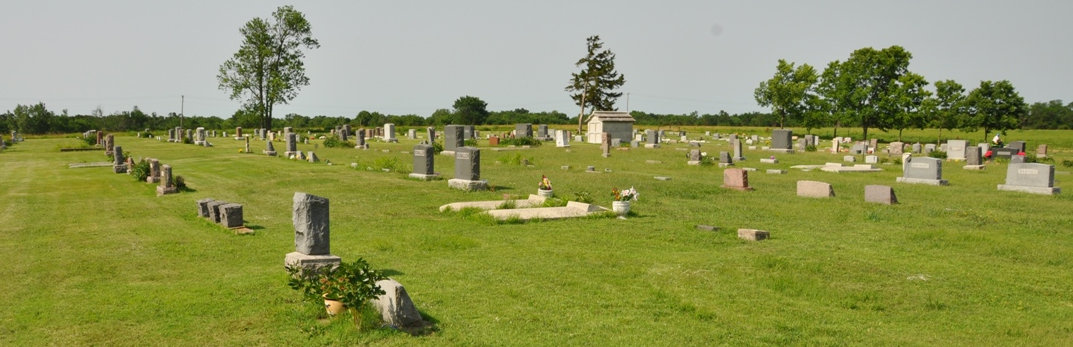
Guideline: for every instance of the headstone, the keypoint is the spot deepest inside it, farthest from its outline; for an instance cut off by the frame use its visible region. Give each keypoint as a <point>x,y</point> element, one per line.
<point>230,215</point>
<point>167,184</point>
<point>871,159</point>
<point>203,207</point>
<point>100,138</point>
<point>724,159</point>
<point>1003,152</point>
<point>411,134</point>
<point>154,171</point>
<point>1041,151</point>
<point>895,148</point>
<point>269,149</point>
<point>430,134</point>
<point>872,145</point>
<point>735,146</point>
<point>879,194</point>
<point>467,170</point>
<point>781,140</point>
<point>360,139</point>
<point>752,234</point>
<point>453,138</point>
<point>924,170</point>
<point>389,133</point>
<point>542,131</point>
<point>468,132</point>
<point>836,144</point>
<point>395,307</point>
<point>424,163</point>
<point>238,132</point>
<point>737,179</point>
<point>312,235</point>
<point>605,144</point>
<point>523,130</point>
<point>562,139</point>
<point>1016,159</point>
<point>119,165</point>
<point>247,149</point>
<point>694,157</point>
<point>1033,178</point>
<point>312,157</point>
<point>214,210</point>
<point>973,158</point>
<point>815,189</point>
<point>651,139</point>
<point>109,144</point>
<point>928,148</point>
<point>292,145</point>
<point>916,148</point>
<point>1020,146</point>
<point>493,141</point>
<point>984,146</point>
<point>849,158</point>
<point>955,149</point>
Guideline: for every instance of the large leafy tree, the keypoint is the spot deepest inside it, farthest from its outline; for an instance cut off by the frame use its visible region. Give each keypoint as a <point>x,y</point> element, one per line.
<point>470,110</point>
<point>994,106</point>
<point>862,87</point>
<point>910,103</point>
<point>948,106</point>
<point>268,68</point>
<point>788,93</point>
<point>594,86</point>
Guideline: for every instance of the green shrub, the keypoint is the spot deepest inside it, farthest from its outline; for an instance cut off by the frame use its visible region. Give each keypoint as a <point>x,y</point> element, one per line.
<point>437,147</point>
<point>180,184</point>
<point>140,171</point>
<point>810,148</point>
<point>333,142</point>
<point>470,142</point>
<point>388,163</point>
<point>937,154</point>
<point>1067,163</point>
<point>521,141</point>
<point>584,197</point>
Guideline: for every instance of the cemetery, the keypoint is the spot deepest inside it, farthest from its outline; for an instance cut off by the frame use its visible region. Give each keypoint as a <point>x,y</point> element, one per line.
<point>989,249</point>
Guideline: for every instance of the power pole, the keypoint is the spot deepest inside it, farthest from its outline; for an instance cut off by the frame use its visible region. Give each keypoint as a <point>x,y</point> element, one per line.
<point>582,114</point>
<point>627,102</point>
<point>182,107</point>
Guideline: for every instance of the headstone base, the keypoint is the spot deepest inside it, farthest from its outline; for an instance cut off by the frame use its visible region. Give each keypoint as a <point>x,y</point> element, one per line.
<point>163,191</point>
<point>651,145</point>
<point>467,185</point>
<point>269,153</point>
<point>239,138</point>
<point>693,162</point>
<point>448,153</point>
<point>769,161</point>
<point>311,262</point>
<point>782,150</point>
<point>1033,190</point>
<point>725,165</point>
<point>775,171</point>
<point>922,181</point>
<point>119,168</point>
<point>973,167</point>
<point>425,177</point>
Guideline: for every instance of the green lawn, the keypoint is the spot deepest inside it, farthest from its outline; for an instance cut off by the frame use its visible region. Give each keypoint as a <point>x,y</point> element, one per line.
<point>95,258</point>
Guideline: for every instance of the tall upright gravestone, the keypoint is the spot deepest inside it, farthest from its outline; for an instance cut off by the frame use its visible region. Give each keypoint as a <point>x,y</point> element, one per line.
<point>453,138</point>
<point>109,144</point>
<point>119,165</point>
<point>312,234</point>
<point>167,184</point>
<point>389,133</point>
<point>360,139</point>
<point>973,158</point>
<point>523,130</point>
<point>424,162</point>
<point>292,145</point>
<point>782,140</point>
<point>467,170</point>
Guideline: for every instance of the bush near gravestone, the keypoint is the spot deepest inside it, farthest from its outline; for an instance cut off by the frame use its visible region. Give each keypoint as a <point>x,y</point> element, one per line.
<point>180,184</point>
<point>333,142</point>
<point>937,154</point>
<point>521,141</point>
<point>1067,163</point>
<point>810,148</point>
<point>353,284</point>
<point>470,142</point>
<point>140,171</point>
<point>437,147</point>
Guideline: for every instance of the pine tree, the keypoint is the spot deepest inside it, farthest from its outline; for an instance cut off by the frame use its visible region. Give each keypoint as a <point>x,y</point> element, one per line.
<point>597,79</point>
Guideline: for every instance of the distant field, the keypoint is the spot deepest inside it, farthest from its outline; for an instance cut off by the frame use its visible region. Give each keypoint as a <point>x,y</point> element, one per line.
<point>95,258</point>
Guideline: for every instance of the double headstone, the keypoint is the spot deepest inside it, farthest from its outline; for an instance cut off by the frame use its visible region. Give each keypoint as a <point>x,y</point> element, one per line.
<point>1033,178</point>
<point>781,140</point>
<point>312,233</point>
<point>467,170</point>
<point>424,163</point>
<point>924,170</point>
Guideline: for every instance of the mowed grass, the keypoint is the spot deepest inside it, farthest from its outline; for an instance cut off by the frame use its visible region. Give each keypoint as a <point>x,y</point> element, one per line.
<point>95,258</point>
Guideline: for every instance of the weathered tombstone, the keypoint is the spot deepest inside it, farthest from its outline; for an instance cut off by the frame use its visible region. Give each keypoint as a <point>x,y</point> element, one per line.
<point>562,139</point>
<point>167,184</point>
<point>871,159</point>
<point>651,139</point>
<point>312,157</point>
<point>292,145</point>
<point>694,157</point>
<point>468,132</point>
<point>735,146</point>
<point>815,189</point>
<point>803,143</point>
<point>269,149</point>
<point>523,130</point>
<point>605,144</point>
<point>238,132</point>
<point>872,145</point>
<point>973,158</point>
<point>955,149</point>
<point>984,146</point>
<point>453,138</point>
<point>203,207</point>
<point>230,215</point>
<point>724,159</point>
<point>1032,178</point>
<point>836,143</point>
<point>467,170</point>
<point>119,165</point>
<point>1020,146</point>
<point>411,134</point>
<point>395,306</point>
<point>423,163</point>
<point>542,132</point>
<point>924,170</point>
<point>389,133</point>
<point>895,148</point>
<point>109,144</point>
<point>752,234</point>
<point>880,194</point>
<point>493,140</point>
<point>154,171</point>
<point>214,210</point>
<point>928,148</point>
<point>859,148</point>
<point>1017,159</point>
<point>312,234</point>
<point>430,134</point>
<point>100,138</point>
<point>360,139</point>
<point>247,149</point>
<point>1041,151</point>
<point>737,179</point>
<point>188,135</point>
<point>781,140</point>
<point>916,148</point>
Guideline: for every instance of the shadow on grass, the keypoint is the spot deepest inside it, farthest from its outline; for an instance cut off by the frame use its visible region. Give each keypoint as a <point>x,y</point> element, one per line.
<point>391,272</point>
<point>496,188</point>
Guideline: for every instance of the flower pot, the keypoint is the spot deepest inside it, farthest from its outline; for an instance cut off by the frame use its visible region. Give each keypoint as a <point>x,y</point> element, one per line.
<point>621,208</point>
<point>547,193</point>
<point>334,307</point>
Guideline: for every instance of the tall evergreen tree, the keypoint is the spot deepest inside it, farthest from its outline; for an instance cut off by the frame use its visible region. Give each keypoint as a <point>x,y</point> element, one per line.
<point>597,81</point>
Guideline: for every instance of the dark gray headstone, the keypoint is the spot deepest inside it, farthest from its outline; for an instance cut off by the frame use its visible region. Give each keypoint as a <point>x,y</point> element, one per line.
<point>651,137</point>
<point>423,160</point>
<point>231,215</point>
<point>311,229</point>
<point>453,137</point>
<point>973,156</point>
<point>292,143</point>
<point>1020,146</point>
<point>924,168</point>
<point>214,210</point>
<point>203,207</point>
<point>523,130</point>
<point>724,158</point>
<point>468,163</point>
<point>542,131</point>
<point>781,139</point>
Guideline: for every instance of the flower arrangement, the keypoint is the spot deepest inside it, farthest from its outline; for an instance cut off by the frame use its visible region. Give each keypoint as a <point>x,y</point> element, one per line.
<point>352,283</point>
<point>624,195</point>
<point>545,183</point>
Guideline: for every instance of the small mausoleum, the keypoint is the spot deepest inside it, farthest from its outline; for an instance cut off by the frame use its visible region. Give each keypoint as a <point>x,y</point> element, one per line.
<point>618,124</point>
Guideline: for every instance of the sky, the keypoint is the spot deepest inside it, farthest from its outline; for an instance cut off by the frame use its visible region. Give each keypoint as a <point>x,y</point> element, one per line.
<point>413,57</point>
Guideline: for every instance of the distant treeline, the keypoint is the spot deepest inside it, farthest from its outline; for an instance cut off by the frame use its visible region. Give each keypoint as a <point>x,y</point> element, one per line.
<point>38,119</point>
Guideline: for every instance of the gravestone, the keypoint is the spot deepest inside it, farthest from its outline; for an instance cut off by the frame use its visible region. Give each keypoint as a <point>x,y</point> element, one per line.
<point>344,134</point>
<point>753,234</point>
<point>895,148</point>
<point>815,189</point>
<point>468,132</point>
<point>859,148</point>
<point>269,149</point>
<point>247,149</point>
<point>312,157</point>
<point>802,143</point>
<point>424,163</point>
<point>605,144</point>
<point>453,138</point>
<point>879,194</point>
<point>694,157</point>
<point>395,306</point>
<point>119,164</point>
<point>562,139</point>
<point>493,140</point>
<point>199,136</point>
<point>188,135</point>
<point>411,134</point>
<point>735,146</point>
<point>542,132</point>
<point>109,144</point>
<point>724,159</point>
<point>467,170</point>
<point>984,146</point>
<point>100,138</point>
<point>154,171</point>
<point>430,134</point>
<point>651,139</point>
<point>292,145</point>
<point>238,132</point>
<point>923,170</point>
<point>389,133</point>
<point>312,234</point>
<point>928,148</point>
<point>1003,152</point>
<point>203,207</point>
<point>737,179</point>
<point>214,210</point>
<point>872,145</point>
<point>359,138</point>
<point>973,158</point>
<point>230,215</point>
<point>1032,178</point>
<point>781,140</point>
<point>167,184</point>
<point>916,148</point>
<point>955,149</point>
<point>871,159</point>
<point>836,145</point>
<point>1041,151</point>
<point>523,130</point>
<point>1020,146</point>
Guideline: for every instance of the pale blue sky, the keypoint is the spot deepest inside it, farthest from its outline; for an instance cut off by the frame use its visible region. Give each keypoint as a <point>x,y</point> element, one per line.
<point>412,57</point>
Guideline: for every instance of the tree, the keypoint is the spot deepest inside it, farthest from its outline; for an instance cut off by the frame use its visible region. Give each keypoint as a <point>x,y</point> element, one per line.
<point>863,86</point>
<point>909,100</point>
<point>597,81</point>
<point>33,119</point>
<point>948,103</point>
<point>994,106</point>
<point>268,67</point>
<point>788,92</point>
<point>470,110</point>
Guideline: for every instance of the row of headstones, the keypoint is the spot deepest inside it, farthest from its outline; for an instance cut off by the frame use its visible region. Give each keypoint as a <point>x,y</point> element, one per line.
<point>224,213</point>
<point>157,173</point>
<point>467,167</point>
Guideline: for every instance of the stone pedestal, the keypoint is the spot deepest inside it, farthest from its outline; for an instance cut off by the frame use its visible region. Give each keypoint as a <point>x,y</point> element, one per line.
<point>467,185</point>
<point>307,261</point>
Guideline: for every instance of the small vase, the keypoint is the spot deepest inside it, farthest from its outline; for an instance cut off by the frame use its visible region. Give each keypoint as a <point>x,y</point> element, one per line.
<point>546,193</point>
<point>334,307</point>
<point>621,208</point>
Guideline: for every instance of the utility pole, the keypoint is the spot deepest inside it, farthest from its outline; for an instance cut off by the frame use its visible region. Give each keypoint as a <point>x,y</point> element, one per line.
<point>627,102</point>
<point>582,114</point>
<point>182,107</point>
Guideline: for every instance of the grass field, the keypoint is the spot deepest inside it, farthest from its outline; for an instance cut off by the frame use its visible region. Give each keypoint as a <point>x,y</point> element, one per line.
<point>95,258</point>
